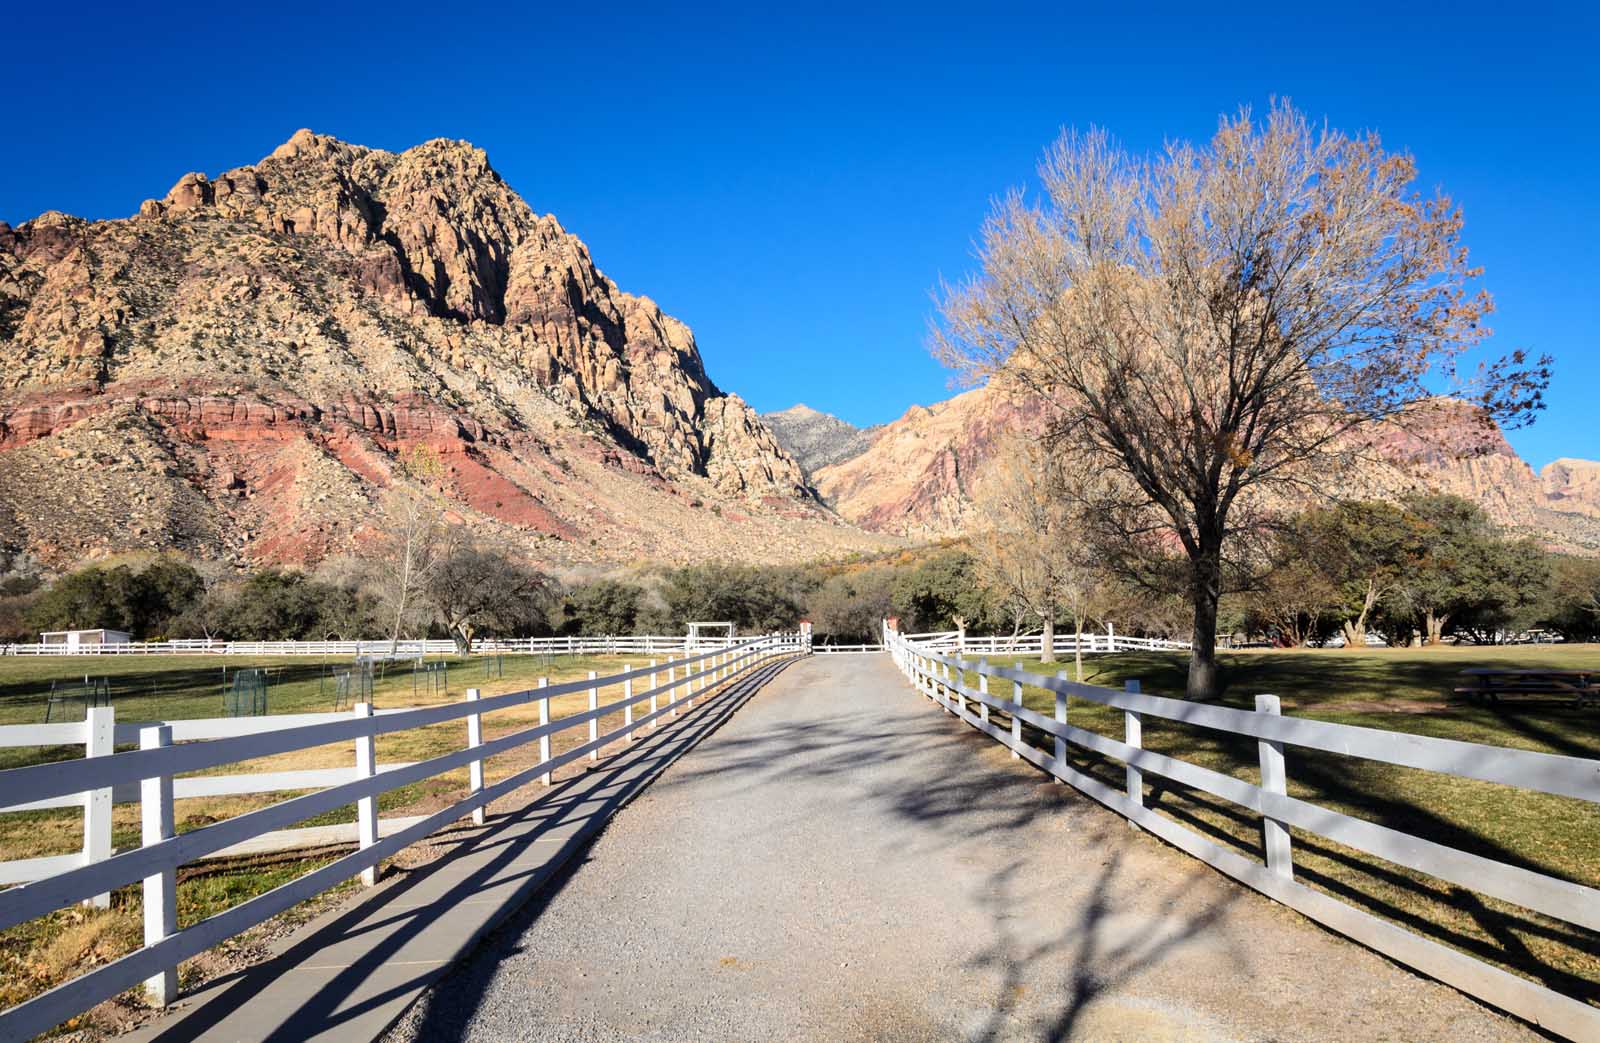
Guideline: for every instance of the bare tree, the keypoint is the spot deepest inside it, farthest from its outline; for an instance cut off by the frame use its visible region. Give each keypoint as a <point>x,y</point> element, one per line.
<point>1223,319</point>
<point>408,550</point>
<point>1032,549</point>
<point>474,588</point>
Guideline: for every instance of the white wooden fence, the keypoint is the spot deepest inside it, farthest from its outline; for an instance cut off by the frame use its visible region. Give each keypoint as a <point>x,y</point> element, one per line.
<point>641,644</point>
<point>165,752</point>
<point>943,677</point>
<point>1033,644</point>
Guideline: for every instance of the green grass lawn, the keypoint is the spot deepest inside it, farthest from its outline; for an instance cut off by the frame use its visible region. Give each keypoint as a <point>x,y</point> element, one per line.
<point>1403,690</point>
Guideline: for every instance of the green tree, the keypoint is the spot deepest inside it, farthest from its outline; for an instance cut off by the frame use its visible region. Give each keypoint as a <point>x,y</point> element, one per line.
<point>1572,602</point>
<point>606,606</point>
<point>849,607</point>
<point>1459,568</point>
<point>141,602</point>
<point>1363,549</point>
<point>940,592</point>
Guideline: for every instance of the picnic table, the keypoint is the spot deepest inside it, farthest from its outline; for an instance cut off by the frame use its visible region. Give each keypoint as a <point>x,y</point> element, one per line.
<point>1493,682</point>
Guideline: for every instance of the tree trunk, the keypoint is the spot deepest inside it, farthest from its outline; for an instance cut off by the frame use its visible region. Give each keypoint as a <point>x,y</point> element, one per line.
<point>1206,584</point>
<point>1435,622</point>
<point>1077,646</point>
<point>1047,645</point>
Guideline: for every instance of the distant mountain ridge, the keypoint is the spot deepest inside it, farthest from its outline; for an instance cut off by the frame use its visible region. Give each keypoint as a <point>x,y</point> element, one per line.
<point>923,473</point>
<point>818,439</point>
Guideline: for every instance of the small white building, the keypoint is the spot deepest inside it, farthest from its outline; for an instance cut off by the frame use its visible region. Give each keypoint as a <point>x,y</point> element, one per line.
<point>75,639</point>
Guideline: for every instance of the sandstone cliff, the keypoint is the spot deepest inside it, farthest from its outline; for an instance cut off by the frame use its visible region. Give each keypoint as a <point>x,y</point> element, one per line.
<point>920,474</point>
<point>240,369</point>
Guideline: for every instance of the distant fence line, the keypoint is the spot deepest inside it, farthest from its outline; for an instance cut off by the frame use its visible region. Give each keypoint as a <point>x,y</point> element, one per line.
<point>632,644</point>
<point>405,649</point>
<point>163,770</point>
<point>962,687</point>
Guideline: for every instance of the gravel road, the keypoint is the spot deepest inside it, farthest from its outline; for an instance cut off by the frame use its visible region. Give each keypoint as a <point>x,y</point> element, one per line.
<point>841,861</point>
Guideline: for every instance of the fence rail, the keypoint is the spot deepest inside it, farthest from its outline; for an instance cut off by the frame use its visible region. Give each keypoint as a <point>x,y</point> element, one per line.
<point>642,644</point>
<point>942,678</point>
<point>1033,644</point>
<point>171,749</point>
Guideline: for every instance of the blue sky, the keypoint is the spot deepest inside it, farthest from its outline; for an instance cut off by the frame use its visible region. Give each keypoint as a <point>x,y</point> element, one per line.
<point>792,185</point>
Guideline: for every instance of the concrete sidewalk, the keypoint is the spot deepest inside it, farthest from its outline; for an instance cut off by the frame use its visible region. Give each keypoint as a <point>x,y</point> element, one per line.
<point>349,974</point>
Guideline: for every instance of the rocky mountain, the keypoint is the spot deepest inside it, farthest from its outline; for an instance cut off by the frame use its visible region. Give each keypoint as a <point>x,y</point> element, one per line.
<point>921,474</point>
<point>817,439</point>
<point>242,369</point>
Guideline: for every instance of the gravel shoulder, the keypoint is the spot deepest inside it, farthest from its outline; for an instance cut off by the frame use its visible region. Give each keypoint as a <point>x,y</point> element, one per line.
<point>840,861</point>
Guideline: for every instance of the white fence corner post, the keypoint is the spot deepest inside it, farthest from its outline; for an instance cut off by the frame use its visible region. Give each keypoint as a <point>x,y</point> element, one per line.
<point>161,888</point>
<point>983,690</point>
<point>544,740</point>
<point>627,703</point>
<point>475,768</point>
<point>594,722</point>
<point>367,807</point>
<point>99,740</point>
<point>1061,718</point>
<point>1274,779</point>
<point>1133,735</point>
<point>1016,722</point>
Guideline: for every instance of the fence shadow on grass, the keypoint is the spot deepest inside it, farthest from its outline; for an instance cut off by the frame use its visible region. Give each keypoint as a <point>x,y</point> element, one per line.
<point>1496,932</point>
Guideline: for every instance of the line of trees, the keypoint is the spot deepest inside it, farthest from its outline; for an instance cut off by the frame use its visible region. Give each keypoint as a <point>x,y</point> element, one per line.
<point>1413,572</point>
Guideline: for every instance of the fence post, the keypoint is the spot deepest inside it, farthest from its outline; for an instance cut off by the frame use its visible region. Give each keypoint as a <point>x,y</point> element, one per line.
<point>653,695</point>
<point>367,807</point>
<point>475,768</point>
<point>672,686</point>
<point>594,722</point>
<point>99,740</point>
<point>1274,779</point>
<point>627,700</point>
<point>160,888</point>
<point>544,740</point>
<point>1133,735</point>
<point>955,692</point>
<point>983,689</point>
<point>1016,722</point>
<point>1061,718</point>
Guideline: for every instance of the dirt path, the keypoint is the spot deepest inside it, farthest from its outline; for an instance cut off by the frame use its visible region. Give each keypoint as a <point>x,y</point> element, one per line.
<point>843,862</point>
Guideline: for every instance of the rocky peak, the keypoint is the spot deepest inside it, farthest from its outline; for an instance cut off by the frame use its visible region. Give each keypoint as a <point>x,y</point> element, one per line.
<point>818,439</point>
<point>328,272</point>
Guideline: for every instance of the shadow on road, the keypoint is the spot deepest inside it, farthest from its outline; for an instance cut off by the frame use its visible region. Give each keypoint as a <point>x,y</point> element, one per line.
<point>394,915</point>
